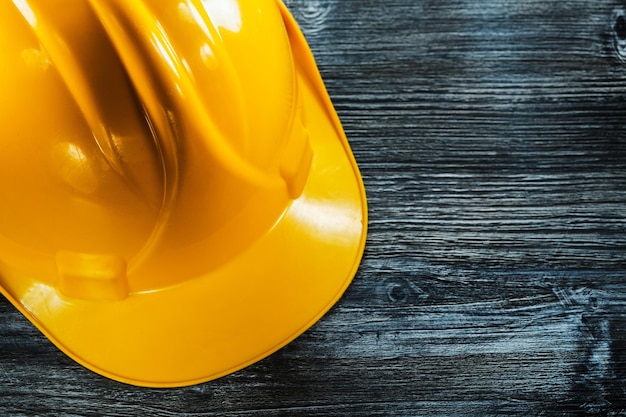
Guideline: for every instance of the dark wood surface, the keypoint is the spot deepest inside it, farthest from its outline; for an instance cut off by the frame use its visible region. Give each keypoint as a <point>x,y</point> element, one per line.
<point>492,140</point>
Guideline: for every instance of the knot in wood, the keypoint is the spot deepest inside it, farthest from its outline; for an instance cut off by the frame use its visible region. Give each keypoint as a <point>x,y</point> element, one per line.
<point>619,33</point>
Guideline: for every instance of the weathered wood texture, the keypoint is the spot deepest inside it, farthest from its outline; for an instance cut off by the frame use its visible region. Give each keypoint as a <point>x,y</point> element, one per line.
<point>492,139</point>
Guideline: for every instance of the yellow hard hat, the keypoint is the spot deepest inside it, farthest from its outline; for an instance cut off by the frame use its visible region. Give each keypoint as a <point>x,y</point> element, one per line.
<point>178,197</point>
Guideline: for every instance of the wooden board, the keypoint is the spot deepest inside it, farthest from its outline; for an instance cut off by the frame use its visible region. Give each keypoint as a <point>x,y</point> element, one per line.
<point>492,140</point>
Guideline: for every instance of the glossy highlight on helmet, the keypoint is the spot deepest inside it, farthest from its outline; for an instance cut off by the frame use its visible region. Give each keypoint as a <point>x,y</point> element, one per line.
<point>180,199</point>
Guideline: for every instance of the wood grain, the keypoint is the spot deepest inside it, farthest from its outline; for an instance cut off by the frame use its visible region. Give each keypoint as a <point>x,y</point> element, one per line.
<point>492,140</point>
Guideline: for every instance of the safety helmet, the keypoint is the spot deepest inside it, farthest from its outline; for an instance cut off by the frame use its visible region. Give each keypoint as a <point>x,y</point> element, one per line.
<point>178,197</point>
